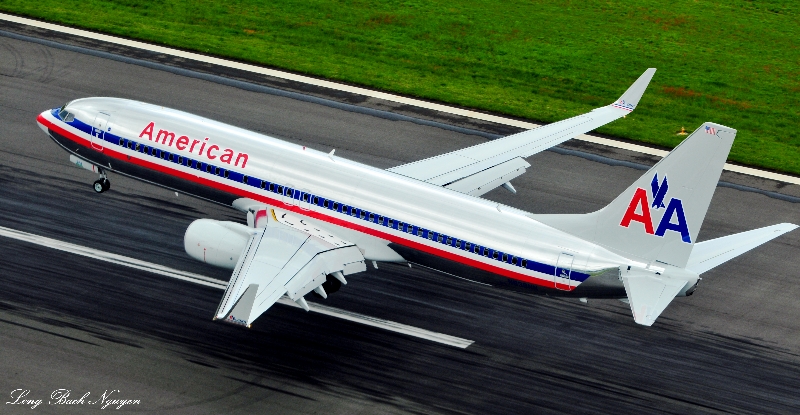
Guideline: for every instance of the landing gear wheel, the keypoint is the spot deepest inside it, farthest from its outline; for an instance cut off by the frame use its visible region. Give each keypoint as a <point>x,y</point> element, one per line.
<point>331,285</point>
<point>101,185</point>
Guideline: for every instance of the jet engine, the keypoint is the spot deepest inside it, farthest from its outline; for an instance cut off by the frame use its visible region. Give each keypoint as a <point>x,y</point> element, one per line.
<point>216,242</point>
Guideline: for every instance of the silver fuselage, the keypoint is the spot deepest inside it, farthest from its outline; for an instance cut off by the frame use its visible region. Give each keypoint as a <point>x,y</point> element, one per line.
<point>123,136</point>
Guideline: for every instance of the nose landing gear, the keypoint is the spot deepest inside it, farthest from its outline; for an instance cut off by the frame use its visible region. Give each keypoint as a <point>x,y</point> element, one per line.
<point>101,185</point>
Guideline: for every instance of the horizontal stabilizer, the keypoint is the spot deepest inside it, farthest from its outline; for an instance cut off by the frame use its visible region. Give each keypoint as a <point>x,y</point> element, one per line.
<point>709,254</point>
<point>649,294</point>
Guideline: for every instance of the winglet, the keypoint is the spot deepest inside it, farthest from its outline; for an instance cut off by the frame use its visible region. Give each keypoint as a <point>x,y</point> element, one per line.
<point>631,97</point>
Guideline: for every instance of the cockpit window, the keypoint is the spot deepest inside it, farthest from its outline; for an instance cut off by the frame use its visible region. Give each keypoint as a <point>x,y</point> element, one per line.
<point>65,115</point>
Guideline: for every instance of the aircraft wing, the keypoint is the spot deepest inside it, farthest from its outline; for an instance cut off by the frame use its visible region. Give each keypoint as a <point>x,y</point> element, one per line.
<point>478,169</point>
<point>290,258</point>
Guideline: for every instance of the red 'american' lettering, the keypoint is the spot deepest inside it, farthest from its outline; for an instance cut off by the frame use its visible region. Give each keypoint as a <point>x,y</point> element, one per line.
<point>208,150</point>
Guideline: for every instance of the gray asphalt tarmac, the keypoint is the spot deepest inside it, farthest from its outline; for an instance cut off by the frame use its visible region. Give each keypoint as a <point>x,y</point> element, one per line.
<point>69,322</point>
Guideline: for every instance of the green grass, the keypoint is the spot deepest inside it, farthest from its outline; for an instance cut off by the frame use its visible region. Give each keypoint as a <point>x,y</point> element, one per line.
<point>735,63</point>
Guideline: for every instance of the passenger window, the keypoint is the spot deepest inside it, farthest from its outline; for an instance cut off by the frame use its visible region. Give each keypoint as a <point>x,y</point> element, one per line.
<point>372,217</point>
<point>505,258</point>
<point>495,254</point>
<point>486,252</point>
<point>280,189</point>
<point>122,142</point>
<point>430,235</point>
<point>380,219</point>
<point>449,241</point>
<point>336,206</point>
<point>363,214</point>
<point>440,238</point>
<point>316,200</point>
<point>307,197</point>
<point>325,203</point>
<point>208,168</point>
<point>391,223</point>
<point>354,212</point>
<point>244,179</point>
<point>180,159</point>
<point>263,184</point>
<point>419,232</point>
<point>525,263</point>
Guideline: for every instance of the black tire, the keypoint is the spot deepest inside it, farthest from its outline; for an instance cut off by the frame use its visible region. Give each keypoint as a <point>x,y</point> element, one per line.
<point>106,184</point>
<point>99,186</point>
<point>331,285</point>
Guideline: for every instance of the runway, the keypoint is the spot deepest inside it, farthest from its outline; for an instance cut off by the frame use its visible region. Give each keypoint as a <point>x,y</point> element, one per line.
<point>73,322</point>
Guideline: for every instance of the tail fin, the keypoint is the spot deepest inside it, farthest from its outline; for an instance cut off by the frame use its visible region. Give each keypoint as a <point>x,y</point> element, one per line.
<point>659,216</point>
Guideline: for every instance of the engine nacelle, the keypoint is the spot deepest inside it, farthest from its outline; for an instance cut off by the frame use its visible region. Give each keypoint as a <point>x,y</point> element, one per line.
<point>216,242</point>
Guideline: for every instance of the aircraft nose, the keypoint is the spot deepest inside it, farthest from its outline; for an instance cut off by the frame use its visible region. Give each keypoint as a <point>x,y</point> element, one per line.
<point>39,120</point>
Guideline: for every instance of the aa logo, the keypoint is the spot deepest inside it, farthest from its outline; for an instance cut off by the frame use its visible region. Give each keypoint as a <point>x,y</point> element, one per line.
<point>639,211</point>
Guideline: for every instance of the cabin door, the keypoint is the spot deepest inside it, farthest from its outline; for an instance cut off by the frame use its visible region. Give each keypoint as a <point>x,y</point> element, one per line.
<point>561,278</point>
<point>99,128</point>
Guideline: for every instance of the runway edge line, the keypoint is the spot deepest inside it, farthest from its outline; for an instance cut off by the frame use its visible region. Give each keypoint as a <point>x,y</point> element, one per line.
<point>367,92</point>
<point>219,284</point>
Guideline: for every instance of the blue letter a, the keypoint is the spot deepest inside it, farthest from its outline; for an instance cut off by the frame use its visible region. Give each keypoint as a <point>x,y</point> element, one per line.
<point>675,206</point>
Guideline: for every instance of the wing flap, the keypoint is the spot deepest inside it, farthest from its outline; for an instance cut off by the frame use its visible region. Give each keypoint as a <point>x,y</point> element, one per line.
<point>282,260</point>
<point>486,180</point>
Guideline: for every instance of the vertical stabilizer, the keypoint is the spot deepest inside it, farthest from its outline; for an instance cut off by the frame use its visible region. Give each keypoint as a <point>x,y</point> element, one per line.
<point>659,216</point>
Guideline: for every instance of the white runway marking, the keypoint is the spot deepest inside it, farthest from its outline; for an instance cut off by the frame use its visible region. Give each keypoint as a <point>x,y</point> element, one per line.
<point>219,284</point>
<point>366,92</point>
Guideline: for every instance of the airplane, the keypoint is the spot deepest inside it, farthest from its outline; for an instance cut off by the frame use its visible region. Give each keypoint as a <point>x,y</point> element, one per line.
<point>313,218</point>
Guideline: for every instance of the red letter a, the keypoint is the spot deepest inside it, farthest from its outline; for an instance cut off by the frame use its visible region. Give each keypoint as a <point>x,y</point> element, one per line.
<point>639,199</point>
<point>148,130</point>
